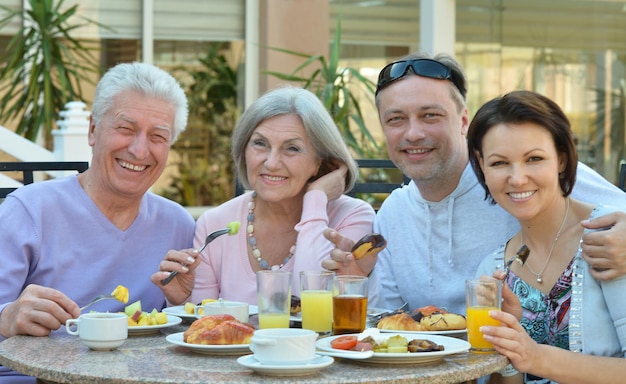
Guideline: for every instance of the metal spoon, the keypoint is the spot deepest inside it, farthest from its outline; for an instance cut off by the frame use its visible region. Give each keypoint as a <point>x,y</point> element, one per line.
<point>520,257</point>
<point>348,354</point>
<point>212,236</point>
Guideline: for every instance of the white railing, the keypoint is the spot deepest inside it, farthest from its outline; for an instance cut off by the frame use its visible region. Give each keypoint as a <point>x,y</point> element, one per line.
<point>70,142</point>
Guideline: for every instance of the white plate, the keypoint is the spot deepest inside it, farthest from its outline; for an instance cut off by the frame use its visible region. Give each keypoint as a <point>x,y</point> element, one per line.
<point>139,330</point>
<point>450,332</point>
<point>451,346</point>
<point>179,311</point>
<point>231,349</point>
<point>312,367</point>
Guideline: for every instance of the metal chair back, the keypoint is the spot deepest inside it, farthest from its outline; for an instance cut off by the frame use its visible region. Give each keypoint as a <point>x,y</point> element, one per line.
<point>29,167</point>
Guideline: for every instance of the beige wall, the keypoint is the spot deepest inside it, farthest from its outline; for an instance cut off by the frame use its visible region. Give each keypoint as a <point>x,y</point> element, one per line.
<point>297,25</point>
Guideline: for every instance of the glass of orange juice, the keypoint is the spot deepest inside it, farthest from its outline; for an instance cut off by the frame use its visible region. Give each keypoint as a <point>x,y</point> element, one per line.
<point>274,298</point>
<point>481,296</point>
<point>316,300</point>
<point>349,304</point>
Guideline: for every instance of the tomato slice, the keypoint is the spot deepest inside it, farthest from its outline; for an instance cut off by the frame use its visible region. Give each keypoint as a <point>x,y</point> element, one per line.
<point>344,342</point>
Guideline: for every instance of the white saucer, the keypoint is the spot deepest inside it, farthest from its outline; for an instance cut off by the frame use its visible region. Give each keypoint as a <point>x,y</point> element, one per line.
<point>312,367</point>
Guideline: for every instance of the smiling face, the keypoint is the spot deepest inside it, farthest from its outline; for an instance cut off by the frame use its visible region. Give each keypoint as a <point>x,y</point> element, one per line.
<point>521,167</point>
<point>280,158</point>
<point>130,145</point>
<point>425,131</point>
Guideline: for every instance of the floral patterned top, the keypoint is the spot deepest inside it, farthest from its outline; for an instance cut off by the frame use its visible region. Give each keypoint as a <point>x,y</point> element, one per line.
<point>545,317</point>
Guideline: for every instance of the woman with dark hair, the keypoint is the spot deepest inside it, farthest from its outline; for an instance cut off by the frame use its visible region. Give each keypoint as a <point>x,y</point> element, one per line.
<point>522,150</point>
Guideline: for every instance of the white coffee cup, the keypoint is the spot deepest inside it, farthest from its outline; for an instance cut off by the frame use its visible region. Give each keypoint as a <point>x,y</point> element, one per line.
<point>238,310</point>
<point>283,346</point>
<point>100,331</point>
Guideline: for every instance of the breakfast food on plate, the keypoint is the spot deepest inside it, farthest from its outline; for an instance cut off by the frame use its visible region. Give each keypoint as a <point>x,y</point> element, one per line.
<point>399,322</point>
<point>428,318</point>
<point>368,244</point>
<point>443,322</point>
<point>137,317</point>
<point>372,340</point>
<point>190,307</point>
<point>295,305</point>
<point>421,345</point>
<point>218,330</point>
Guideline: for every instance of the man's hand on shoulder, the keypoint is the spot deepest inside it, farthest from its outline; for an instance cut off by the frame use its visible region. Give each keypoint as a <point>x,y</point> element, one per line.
<point>605,249</point>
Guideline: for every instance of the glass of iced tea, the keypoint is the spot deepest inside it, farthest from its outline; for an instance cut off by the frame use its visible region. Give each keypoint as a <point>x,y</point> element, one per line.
<point>349,304</point>
<point>481,296</point>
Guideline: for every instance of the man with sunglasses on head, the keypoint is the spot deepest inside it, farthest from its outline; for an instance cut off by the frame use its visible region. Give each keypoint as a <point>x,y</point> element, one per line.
<point>439,226</point>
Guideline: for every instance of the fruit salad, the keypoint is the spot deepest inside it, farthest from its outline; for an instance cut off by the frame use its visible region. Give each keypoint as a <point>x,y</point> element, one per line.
<point>137,317</point>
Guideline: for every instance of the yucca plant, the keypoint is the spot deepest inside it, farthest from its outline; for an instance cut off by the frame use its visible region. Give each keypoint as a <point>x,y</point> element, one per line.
<point>331,83</point>
<point>43,67</point>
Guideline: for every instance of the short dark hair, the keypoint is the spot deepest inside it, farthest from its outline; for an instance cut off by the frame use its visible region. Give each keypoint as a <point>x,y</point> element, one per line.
<point>523,107</point>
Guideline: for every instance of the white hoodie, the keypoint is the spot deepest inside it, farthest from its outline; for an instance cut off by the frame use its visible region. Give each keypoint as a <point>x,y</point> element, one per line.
<point>433,247</point>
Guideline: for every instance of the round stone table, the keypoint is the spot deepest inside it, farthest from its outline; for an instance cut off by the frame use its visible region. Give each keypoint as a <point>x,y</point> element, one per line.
<point>61,358</point>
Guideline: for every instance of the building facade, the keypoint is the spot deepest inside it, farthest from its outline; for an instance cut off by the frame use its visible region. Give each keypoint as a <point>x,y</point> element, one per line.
<point>573,51</point>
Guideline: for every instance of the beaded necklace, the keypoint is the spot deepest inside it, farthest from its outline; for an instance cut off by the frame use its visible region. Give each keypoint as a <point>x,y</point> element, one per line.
<point>256,253</point>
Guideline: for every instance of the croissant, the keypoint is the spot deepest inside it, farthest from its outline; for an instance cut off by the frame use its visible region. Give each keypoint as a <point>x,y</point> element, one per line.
<point>443,322</point>
<point>399,322</point>
<point>218,330</point>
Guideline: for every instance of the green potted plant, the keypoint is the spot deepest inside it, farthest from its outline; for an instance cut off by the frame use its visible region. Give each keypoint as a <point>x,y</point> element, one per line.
<point>333,85</point>
<point>205,173</point>
<point>43,66</point>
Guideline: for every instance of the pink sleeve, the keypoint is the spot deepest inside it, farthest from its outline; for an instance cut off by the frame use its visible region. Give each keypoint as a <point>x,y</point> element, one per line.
<point>352,218</point>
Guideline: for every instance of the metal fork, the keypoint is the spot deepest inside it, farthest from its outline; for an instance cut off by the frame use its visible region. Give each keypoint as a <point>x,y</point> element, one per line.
<point>376,317</point>
<point>96,299</point>
<point>212,236</point>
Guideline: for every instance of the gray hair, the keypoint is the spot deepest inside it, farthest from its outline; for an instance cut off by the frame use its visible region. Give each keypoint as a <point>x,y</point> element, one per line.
<point>459,95</point>
<point>145,79</point>
<point>318,125</point>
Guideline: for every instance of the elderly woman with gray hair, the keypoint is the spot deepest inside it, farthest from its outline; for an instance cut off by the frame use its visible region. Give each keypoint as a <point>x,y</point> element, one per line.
<point>291,158</point>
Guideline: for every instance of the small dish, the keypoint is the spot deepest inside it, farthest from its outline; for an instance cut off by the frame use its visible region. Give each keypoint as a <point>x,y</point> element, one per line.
<point>451,346</point>
<point>231,349</point>
<point>310,368</point>
<point>140,330</point>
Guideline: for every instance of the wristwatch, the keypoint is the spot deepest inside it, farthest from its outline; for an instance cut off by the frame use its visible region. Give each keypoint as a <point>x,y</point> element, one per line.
<point>508,371</point>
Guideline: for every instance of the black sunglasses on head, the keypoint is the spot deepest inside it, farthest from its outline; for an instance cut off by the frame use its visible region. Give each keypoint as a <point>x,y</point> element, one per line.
<point>422,67</point>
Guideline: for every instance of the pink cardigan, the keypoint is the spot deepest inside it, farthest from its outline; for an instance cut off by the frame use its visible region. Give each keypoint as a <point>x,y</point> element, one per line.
<point>225,270</point>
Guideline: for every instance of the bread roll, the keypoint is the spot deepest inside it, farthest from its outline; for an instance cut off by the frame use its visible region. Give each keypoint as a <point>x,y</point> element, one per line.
<point>399,322</point>
<point>443,322</point>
